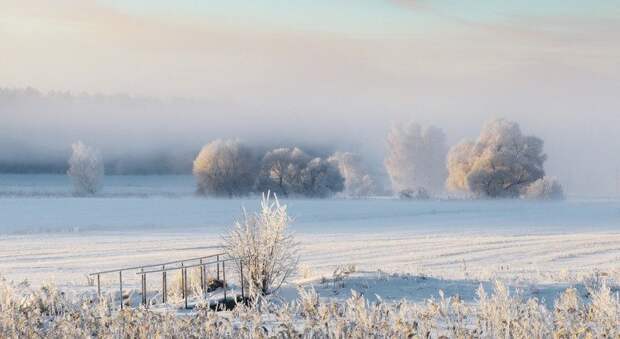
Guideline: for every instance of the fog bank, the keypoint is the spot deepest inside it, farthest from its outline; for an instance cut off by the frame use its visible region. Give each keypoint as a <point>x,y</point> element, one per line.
<point>146,135</point>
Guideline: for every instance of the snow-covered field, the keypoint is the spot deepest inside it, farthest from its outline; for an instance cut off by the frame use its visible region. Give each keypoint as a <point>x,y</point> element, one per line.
<point>48,235</point>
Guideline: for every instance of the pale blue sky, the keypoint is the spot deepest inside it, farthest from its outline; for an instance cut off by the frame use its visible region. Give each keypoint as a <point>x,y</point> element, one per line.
<point>368,16</point>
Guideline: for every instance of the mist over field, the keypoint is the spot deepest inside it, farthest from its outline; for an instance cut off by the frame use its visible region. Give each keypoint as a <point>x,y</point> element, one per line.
<point>148,135</point>
<point>309,169</point>
<point>149,85</point>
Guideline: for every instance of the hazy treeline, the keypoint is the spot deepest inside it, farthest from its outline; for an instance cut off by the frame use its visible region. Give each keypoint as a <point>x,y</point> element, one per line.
<point>231,168</point>
<point>53,121</point>
<point>501,162</point>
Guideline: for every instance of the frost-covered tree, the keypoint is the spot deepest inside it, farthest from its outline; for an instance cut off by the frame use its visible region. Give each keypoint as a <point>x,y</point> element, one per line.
<point>265,246</point>
<point>357,181</point>
<point>281,170</point>
<point>86,169</point>
<point>225,168</point>
<point>290,171</point>
<point>501,163</point>
<point>546,188</point>
<point>416,158</point>
<point>320,179</point>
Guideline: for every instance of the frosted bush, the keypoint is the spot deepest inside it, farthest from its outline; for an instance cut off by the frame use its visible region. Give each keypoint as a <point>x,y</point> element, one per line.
<point>225,168</point>
<point>604,312</point>
<point>292,172</point>
<point>193,284</point>
<point>265,247</point>
<point>280,171</point>
<point>49,313</point>
<point>504,315</point>
<point>85,169</point>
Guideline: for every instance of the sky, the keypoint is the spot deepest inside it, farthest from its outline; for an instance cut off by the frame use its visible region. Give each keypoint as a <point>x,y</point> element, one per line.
<point>333,70</point>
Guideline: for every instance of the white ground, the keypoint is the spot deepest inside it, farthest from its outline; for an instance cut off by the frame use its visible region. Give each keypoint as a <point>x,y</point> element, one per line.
<point>47,235</point>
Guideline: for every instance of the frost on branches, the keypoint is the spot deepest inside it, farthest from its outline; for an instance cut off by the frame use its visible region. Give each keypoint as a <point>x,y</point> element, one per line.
<point>292,172</point>
<point>225,168</point>
<point>264,245</point>
<point>281,171</point>
<point>416,158</point>
<point>501,163</point>
<point>85,169</point>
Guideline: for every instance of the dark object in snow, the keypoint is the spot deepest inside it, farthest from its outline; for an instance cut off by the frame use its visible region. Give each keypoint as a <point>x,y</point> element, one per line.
<point>214,284</point>
<point>418,194</point>
<point>228,303</point>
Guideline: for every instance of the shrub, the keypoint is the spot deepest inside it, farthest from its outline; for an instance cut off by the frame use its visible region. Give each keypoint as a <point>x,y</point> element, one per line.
<point>85,169</point>
<point>264,245</point>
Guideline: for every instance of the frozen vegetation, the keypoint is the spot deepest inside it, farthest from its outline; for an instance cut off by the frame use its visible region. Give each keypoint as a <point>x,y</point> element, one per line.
<point>378,266</point>
<point>228,168</point>
<point>501,163</point>
<point>225,168</point>
<point>416,158</point>
<point>498,313</point>
<point>85,169</point>
<point>263,247</point>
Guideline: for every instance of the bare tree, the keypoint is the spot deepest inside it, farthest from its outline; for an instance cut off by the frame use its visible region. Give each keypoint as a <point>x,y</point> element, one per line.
<point>225,168</point>
<point>265,246</point>
<point>546,188</point>
<point>357,180</point>
<point>86,169</point>
<point>416,158</point>
<point>501,163</point>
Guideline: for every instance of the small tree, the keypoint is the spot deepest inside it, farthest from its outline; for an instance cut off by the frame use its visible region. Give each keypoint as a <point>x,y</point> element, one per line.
<point>85,169</point>
<point>225,168</point>
<point>264,245</point>
<point>416,158</point>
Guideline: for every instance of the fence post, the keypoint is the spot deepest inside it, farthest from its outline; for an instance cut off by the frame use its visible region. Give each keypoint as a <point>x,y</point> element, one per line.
<point>205,285</point>
<point>143,280</point>
<point>163,285</point>
<point>182,282</point>
<point>224,275</point>
<point>184,273</point>
<point>98,287</point>
<point>120,283</point>
<point>218,266</point>
<point>202,276</point>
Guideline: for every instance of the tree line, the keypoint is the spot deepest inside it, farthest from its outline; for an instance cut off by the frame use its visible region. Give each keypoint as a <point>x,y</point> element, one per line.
<point>501,163</point>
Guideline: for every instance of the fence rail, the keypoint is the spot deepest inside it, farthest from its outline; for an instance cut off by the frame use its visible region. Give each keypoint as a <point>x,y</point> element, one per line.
<point>180,265</point>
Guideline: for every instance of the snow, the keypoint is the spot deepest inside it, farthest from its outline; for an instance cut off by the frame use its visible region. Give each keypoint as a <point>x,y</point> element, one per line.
<point>48,235</point>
